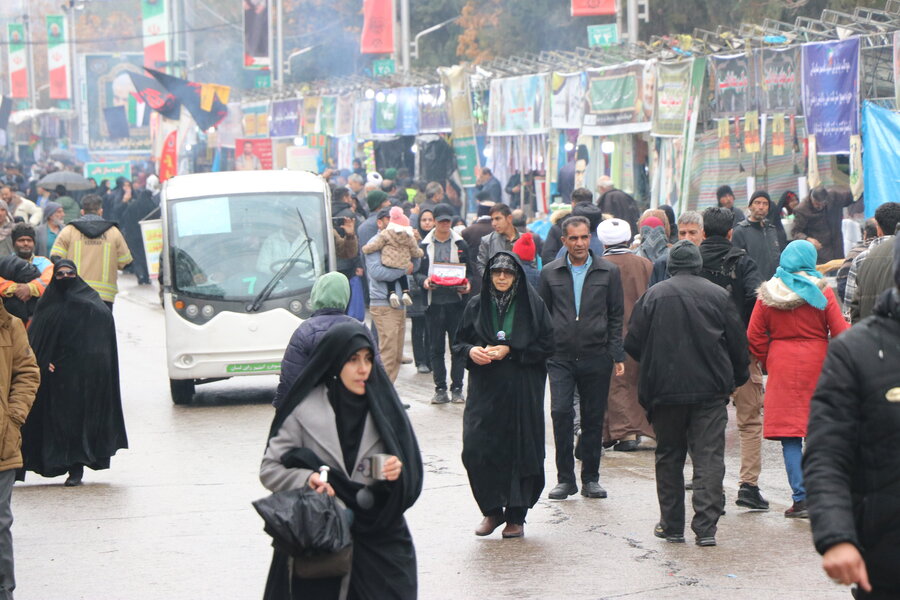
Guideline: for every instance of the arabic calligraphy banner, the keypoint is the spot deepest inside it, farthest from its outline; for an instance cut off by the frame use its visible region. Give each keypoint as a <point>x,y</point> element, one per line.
<point>779,80</point>
<point>733,82</point>
<point>673,83</point>
<point>618,101</point>
<point>831,93</point>
<point>285,119</point>
<point>519,105</point>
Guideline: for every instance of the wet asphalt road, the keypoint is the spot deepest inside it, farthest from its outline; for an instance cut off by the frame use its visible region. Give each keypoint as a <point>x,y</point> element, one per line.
<point>172,518</point>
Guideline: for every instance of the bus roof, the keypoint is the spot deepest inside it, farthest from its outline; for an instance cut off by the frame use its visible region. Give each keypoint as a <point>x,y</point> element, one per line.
<point>242,182</point>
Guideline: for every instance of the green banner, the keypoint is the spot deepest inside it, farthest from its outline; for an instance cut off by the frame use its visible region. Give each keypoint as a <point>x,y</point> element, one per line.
<point>609,94</point>
<point>107,170</point>
<point>673,82</point>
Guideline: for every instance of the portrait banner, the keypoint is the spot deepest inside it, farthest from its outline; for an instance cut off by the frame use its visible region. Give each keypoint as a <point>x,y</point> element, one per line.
<point>434,109</point>
<point>733,79</point>
<point>108,85</point>
<point>285,118</point>
<point>831,93</point>
<point>778,74</point>
<point>673,83</point>
<point>253,155</point>
<point>617,101</point>
<point>519,105</point>
<point>58,63</point>
<point>567,100</point>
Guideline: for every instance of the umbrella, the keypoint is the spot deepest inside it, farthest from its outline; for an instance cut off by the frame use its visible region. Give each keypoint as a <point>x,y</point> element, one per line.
<point>71,181</point>
<point>63,156</point>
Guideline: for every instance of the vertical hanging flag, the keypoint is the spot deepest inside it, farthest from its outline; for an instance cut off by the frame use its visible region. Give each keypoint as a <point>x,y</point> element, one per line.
<point>588,8</point>
<point>256,34</point>
<point>155,20</point>
<point>724,138</point>
<point>58,57</point>
<point>378,27</point>
<point>168,161</point>
<point>751,132</point>
<point>778,134</point>
<point>18,63</point>
<point>856,166</point>
<point>812,173</point>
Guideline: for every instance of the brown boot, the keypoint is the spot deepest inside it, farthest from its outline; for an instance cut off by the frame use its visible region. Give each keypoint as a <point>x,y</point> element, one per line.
<point>488,525</point>
<point>513,530</point>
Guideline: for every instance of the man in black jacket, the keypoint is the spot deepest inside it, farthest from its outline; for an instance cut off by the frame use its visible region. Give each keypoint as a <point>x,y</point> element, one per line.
<point>692,348</point>
<point>733,270</point>
<point>851,461</point>
<point>553,243</point>
<point>583,293</point>
<point>758,236</point>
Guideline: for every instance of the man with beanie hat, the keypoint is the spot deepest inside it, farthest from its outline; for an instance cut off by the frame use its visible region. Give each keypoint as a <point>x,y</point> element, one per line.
<point>690,342</point>
<point>20,299</point>
<point>850,465</point>
<point>377,200</point>
<point>759,237</point>
<point>725,198</point>
<point>45,234</point>
<point>625,419</point>
<point>526,249</point>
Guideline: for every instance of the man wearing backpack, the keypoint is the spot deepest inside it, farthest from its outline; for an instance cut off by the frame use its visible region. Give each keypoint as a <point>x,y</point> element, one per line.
<point>734,270</point>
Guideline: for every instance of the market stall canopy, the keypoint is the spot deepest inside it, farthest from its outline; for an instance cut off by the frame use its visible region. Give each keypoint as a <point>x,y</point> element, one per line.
<point>20,116</point>
<point>71,181</point>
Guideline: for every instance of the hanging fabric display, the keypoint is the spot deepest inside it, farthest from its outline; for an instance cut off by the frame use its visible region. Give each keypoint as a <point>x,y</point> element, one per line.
<point>724,138</point>
<point>778,134</point>
<point>856,168</point>
<point>812,172</point>
<point>751,132</point>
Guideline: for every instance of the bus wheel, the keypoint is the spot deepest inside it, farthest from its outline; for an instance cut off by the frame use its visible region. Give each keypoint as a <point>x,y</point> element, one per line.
<point>182,390</point>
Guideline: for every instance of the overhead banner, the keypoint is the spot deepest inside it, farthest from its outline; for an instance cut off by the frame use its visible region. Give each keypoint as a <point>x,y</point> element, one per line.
<point>880,129</point>
<point>831,93</point>
<point>111,91</point>
<point>519,105</point>
<point>17,61</point>
<point>58,63</point>
<point>285,119</point>
<point>98,171</point>
<point>396,112</point>
<point>343,124</point>
<point>378,27</point>
<point>567,100</point>
<point>617,100</point>
<point>589,8</point>
<point>734,85</point>
<point>189,93</point>
<point>456,80</point>
<point>779,80</point>
<point>155,24</point>
<point>256,34</point>
<point>434,112</point>
<point>673,82</point>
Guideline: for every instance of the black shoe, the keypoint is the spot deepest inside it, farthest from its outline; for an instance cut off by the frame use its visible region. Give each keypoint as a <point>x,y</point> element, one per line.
<point>563,491</point>
<point>423,369</point>
<point>626,446</point>
<point>75,475</point>
<point>456,397</point>
<point>706,541</point>
<point>672,538</point>
<point>797,511</point>
<point>749,497</point>
<point>440,397</point>
<point>592,489</point>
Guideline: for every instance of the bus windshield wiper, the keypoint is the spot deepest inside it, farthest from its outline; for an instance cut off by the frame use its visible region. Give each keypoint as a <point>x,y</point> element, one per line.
<point>287,266</point>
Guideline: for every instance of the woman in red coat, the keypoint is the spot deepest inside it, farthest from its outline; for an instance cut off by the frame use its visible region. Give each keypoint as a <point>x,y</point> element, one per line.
<point>794,315</point>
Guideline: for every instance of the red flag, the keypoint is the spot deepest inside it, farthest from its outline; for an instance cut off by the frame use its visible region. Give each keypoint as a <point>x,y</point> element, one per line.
<point>168,161</point>
<point>378,27</point>
<point>588,8</point>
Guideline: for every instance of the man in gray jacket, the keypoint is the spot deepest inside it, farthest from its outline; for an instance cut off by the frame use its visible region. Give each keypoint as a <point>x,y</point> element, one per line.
<point>502,238</point>
<point>390,323</point>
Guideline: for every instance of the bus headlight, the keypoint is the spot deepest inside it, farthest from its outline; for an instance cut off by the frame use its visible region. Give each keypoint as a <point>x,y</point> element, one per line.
<point>208,311</point>
<point>192,310</point>
<point>296,306</point>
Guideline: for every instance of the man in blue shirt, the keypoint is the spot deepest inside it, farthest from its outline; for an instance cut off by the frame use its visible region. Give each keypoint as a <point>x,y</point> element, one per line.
<point>583,293</point>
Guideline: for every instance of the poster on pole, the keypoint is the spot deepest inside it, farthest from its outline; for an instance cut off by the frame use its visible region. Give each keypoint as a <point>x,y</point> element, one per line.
<point>567,100</point>
<point>378,27</point>
<point>734,85</point>
<point>779,80</point>
<point>618,101</point>
<point>434,112</point>
<point>456,80</point>
<point>155,26</point>
<point>58,63</point>
<point>519,105</point>
<point>673,82</point>
<point>256,34</point>
<point>17,59</point>
<point>253,155</point>
<point>831,93</point>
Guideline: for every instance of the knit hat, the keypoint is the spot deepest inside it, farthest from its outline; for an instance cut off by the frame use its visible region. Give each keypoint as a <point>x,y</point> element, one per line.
<point>22,230</point>
<point>390,174</point>
<point>684,256</point>
<point>652,222</point>
<point>524,247</point>
<point>760,194</point>
<point>614,231</point>
<point>375,198</point>
<point>50,207</point>
<point>442,212</point>
<point>398,218</point>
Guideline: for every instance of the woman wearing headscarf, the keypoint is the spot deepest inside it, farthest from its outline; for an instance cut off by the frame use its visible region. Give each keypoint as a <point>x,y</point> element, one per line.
<point>654,235</point>
<point>340,413</point>
<point>77,418</point>
<point>506,337</point>
<point>416,311</point>
<point>6,225</point>
<point>794,316</point>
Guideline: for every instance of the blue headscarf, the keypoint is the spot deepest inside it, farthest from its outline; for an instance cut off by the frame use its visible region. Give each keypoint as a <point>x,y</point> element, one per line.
<point>800,257</point>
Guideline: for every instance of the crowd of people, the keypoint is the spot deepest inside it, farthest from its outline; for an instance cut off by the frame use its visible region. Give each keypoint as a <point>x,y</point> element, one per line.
<point>645,324</point>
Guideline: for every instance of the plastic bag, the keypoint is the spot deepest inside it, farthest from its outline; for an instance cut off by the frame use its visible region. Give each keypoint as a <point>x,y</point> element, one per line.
<point>305,523</point>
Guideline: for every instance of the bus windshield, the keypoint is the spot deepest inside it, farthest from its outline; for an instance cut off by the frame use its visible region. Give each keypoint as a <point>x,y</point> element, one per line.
<point>230,247</point>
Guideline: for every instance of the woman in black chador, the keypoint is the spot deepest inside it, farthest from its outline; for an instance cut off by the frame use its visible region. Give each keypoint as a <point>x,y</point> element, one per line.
<point>77,419</point>
<point>506,337</point>
<point>340,413</point>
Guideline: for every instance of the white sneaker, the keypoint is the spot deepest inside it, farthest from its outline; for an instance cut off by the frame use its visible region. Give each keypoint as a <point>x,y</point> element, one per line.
<point>395,301</point>
<point>406,299</point>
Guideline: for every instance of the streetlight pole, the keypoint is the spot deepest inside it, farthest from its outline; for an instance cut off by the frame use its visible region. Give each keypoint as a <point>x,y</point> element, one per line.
<point>404,35</point>
<point>632,21</point>
<point>279,24</point>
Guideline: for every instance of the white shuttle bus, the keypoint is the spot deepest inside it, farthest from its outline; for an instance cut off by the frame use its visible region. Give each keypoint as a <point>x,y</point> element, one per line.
<point>241,252</point>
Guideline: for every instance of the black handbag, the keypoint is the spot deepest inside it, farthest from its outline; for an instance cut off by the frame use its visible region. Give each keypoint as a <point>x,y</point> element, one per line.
<point>312,528</point>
